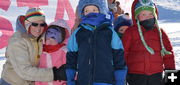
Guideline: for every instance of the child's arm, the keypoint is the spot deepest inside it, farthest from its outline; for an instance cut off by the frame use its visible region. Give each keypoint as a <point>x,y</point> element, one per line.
<point>118,59</point>
<point>169,62</point>
<point>71,58</point>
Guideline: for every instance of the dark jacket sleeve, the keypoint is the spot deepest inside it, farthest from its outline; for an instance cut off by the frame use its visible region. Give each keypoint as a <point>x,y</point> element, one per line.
<point>118,52</point>
<point>71,58</point>
<point>118,60</point>
<point>72,53</point>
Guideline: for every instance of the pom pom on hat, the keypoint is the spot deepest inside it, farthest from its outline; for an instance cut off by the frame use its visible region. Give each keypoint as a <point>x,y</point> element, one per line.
<point>33,14</point>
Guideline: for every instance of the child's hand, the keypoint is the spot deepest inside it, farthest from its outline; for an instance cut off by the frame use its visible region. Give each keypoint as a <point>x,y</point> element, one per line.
<point>60,73</point>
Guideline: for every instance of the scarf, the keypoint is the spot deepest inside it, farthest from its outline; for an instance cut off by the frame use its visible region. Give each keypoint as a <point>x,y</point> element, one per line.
<point>94,19</point>
<point>52,48</point>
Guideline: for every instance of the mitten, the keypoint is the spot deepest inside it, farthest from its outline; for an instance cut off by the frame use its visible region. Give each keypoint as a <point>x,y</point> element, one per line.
<point>120,76</point>
<point>60,73</point>
<point>101,84</point>
<point>70,76</point>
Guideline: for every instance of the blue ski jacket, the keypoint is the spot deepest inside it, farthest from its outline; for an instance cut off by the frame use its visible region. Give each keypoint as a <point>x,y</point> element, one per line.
<point>95,53</point>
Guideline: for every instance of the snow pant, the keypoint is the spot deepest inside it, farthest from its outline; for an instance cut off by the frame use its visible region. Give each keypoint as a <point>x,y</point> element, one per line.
<point>3,82</point>
<point>140,79</point>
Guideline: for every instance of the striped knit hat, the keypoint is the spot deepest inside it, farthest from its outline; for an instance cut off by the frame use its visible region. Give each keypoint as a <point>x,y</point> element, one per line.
<point>149,5</point>
<point>33,14</point>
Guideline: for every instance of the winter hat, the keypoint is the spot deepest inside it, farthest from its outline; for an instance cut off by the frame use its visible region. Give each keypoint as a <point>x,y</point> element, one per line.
<point>101,4</point>
<point>33,14</point>
<point>149,5</point>
<point>61,23</point>
<point>145,5</point>
<point>122,20</point>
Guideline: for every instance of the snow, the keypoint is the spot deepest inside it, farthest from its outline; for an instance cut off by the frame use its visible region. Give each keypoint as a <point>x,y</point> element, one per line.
<point>2,61</point>
<point>169,4</point>
<point>175,39</point>
<point>169,20</point>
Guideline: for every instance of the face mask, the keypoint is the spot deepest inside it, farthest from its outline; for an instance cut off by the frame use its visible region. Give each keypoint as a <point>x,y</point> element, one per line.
<point>94,19</point>
<point>120,35</point>
<point>55,34</point>
<point>148,24</point>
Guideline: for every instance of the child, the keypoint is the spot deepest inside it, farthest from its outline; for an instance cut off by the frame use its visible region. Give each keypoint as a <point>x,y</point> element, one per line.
<point>54,49</point>
<point>94,49</point>
<point>121,24</point>
<point>148,50</point>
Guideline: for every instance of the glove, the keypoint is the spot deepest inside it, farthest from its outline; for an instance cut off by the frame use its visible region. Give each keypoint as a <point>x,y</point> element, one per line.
<point>70,76</point>
<point>120,76</point>
<point>60,73</point>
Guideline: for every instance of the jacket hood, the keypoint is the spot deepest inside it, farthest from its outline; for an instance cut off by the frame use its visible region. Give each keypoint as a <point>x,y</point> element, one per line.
<point>137,3</point>
<point>101,4</point>
<point>62,23</point>
<point>20,24</point>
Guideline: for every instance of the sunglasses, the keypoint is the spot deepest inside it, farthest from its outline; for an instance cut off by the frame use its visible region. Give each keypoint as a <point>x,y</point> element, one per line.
<point>36,24</point>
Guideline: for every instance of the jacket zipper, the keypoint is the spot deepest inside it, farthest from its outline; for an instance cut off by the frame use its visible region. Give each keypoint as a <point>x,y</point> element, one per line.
<point>94,54</point>
<point>91,42</point>
<point>90,60</point>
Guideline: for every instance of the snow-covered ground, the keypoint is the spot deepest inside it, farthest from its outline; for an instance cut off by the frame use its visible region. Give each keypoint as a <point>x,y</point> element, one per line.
<point>2,61</point>
<point>169,17</point>
<point>174,35</point>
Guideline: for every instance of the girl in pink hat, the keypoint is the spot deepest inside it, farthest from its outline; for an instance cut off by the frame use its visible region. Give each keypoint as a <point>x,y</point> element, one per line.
<point>54,50</point>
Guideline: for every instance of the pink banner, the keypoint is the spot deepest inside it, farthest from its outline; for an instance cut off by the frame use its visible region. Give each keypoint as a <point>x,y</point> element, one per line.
<point>4,4</point>
<point>64,5</point>
<point>32,3</point>
<point>6,32</point>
